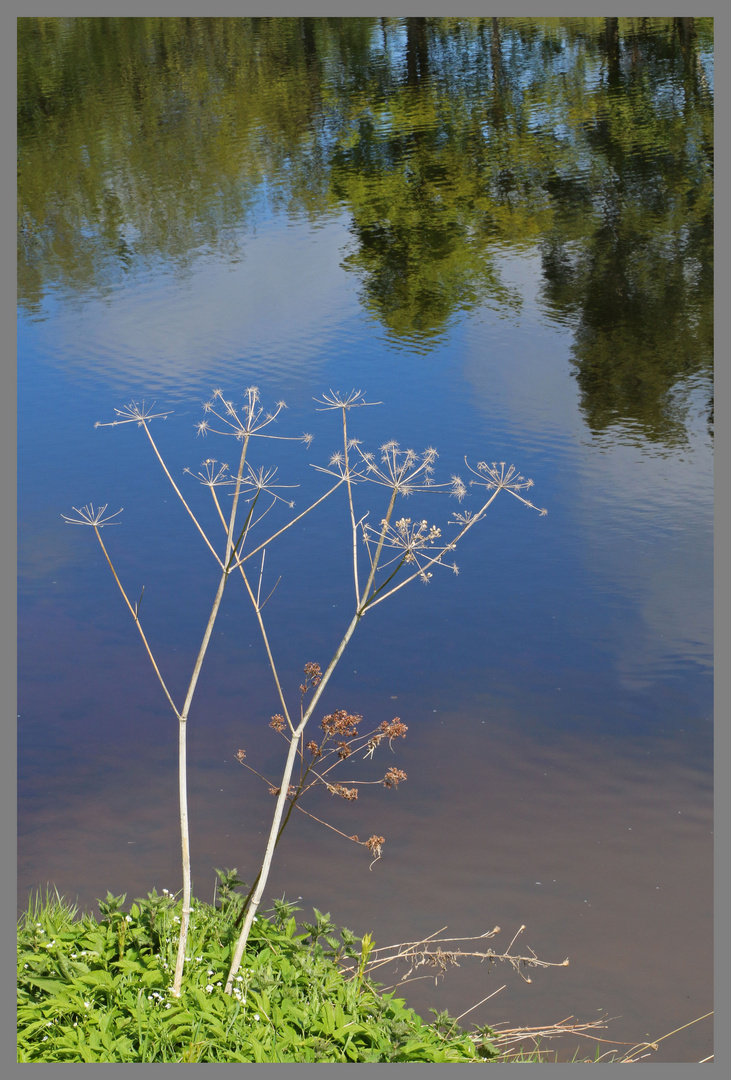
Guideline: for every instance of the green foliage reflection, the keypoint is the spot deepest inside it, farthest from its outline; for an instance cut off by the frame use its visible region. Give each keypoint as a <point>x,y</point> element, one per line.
<point>445,141</point>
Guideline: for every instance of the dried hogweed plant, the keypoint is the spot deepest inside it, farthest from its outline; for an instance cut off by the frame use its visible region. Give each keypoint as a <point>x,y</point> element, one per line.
<point>340,741</point>
<point>385,558</point>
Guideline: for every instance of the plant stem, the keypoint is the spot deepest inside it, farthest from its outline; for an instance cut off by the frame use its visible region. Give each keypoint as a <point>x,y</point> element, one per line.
<point>182,734</point>
<point>135,616</point>
<point>183,788</point>
<point>294,738</point>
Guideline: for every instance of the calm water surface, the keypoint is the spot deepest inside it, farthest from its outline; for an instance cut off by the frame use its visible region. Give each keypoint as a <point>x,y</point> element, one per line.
<point>501,230</point>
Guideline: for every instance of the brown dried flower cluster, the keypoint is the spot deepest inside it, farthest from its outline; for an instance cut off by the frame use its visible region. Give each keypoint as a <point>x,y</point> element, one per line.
<point>393,777</point>
<point>277,722</point>
<point>314,749</point>
<point>389,729</point>
<point>313,676</point>
<point>374,845</point>
<point>291,791</point>
<point>240,755</point>
<point>341,723</point>
<point>343,792</point>
<point>394,729</point>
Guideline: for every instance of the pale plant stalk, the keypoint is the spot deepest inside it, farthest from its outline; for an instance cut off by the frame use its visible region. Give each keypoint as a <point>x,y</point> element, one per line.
<point>370,596</point>
<point>135,615</point>
<point>399,477</point>
<point>229,563</point>
<point>294,739</point>
<point>353,526</point>
<point>180,495</point>
<point>182,715</point>
<point>296,733</point>
<point>183,718</point>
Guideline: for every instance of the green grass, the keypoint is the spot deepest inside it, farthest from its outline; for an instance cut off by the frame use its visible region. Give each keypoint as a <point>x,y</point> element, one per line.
<point>99,990</point>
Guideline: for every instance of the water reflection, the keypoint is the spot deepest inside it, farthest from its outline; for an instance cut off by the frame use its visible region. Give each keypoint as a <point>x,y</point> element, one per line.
<point>143,139</point>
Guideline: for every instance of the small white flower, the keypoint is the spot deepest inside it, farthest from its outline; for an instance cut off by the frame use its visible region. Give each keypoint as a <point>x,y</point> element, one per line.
<point>165,892</point>
<point>256,1016</point>
<point>128,918</point>
<point>87,1004</point>
<point>49,1023</point>
<point>209,988</point>
<point>168,1005</point>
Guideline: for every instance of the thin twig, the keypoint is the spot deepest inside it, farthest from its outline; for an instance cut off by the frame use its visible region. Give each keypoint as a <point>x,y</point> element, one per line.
<point>135,615</point>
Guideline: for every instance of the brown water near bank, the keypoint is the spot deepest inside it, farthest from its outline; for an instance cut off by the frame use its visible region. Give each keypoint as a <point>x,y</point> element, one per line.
<point>604,853</point>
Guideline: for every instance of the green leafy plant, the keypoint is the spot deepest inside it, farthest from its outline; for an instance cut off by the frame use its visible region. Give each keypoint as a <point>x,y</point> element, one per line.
<point>82,999</point>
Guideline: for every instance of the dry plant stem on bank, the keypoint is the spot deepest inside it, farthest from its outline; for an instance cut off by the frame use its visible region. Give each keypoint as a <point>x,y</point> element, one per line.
<point>243,429</point>
<point>429,952</point>
<point>400,552</point>
<point>403,472</point>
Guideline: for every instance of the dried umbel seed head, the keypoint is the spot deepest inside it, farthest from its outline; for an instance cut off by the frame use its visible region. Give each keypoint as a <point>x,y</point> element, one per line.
<point>240,755</point>
<point>344,751</point>
<point>314,749</point>
<point>313,673</point>
<point>277,722</point>
<point>343,792</point>
<point>374,845</point>
<point>393,777</point>
<point>341,723</point>
<point>394,729</point>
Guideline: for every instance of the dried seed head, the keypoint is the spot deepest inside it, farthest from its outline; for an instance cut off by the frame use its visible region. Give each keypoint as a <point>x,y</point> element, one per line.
<point>394,729</point>
<point>341,723</point>
<point>345,793</point>
<point>89,516</point>
<point>313,673</point>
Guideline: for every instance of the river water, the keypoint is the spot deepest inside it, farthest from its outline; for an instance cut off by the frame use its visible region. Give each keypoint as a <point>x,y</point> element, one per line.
<point>500,230</point>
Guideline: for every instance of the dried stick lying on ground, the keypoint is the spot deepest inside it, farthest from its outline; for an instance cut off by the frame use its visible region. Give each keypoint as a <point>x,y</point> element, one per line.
<point>430,953</point>
<point>510,1042</point>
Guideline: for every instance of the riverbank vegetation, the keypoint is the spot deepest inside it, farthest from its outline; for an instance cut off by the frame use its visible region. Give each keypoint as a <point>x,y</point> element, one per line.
<point>100,990</point>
